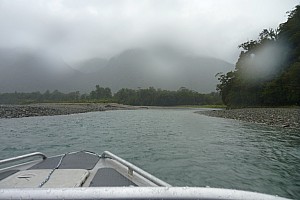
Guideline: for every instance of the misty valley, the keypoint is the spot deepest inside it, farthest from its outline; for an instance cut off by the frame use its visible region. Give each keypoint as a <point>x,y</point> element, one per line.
<point>24,71</point>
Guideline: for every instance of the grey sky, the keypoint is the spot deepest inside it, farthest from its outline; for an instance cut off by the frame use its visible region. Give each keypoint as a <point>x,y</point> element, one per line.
<point>79,29</point>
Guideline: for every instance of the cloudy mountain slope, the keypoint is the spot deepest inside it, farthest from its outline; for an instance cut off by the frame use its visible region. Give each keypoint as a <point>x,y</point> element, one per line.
<point>167,70</point>
<point>28,71</point>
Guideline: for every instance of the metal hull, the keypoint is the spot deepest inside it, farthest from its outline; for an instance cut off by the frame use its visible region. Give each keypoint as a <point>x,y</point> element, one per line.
<point>86,175</point>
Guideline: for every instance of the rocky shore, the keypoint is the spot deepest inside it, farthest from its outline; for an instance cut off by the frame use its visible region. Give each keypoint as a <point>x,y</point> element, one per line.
<point>283,117</point>
<point>17,111</point>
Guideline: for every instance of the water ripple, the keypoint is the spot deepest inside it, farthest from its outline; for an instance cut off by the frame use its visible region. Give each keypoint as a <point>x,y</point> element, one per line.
<point>178,146</point>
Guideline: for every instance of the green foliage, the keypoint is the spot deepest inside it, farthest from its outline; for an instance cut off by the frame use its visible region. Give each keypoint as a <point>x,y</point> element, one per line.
<point>153,97</point>
<point>279,89</point>
<point>101,93</point>
<point>141,97</point>
<point>37,97</point>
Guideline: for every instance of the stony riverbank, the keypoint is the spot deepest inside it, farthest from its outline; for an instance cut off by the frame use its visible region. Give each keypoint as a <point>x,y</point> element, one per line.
<point>17,111</point>
<point>283,117</point>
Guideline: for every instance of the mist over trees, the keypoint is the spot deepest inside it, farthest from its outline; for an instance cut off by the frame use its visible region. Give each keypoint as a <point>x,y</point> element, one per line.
<point>267,72</point>
<point>26,70</point>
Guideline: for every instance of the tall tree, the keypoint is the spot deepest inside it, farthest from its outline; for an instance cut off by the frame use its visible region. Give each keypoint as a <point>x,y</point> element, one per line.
<point>267,71</point>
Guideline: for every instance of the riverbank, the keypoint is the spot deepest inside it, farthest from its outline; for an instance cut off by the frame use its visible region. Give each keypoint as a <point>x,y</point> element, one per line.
<point>49,109</point>
<point>283,117</point>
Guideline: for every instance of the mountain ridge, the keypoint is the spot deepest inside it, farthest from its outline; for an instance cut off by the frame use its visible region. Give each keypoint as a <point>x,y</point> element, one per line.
<point>28,71</point>
<point>139,68</point>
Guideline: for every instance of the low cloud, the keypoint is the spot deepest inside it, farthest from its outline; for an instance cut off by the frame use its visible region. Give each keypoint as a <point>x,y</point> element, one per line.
<point>80,29</point>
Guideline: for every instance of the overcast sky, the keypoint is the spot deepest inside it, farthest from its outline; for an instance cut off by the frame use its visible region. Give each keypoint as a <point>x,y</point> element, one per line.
<point>79,29</point>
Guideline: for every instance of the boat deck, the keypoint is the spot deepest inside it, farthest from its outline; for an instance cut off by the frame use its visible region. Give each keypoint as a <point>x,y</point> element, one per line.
<point>77,169</point>
<point>86,175</point>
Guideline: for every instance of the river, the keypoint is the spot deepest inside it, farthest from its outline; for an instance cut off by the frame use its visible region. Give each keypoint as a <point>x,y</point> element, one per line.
<point>177,145</point>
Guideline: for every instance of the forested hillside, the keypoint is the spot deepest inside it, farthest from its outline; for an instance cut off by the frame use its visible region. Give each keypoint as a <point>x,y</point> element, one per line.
<point>267,72</point>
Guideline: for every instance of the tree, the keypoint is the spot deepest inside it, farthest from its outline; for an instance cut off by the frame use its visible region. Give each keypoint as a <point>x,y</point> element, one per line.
<point>246,87</point>
<point>101,93</point>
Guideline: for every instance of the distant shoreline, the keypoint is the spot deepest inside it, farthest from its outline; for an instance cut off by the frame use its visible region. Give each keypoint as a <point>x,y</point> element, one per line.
<point>281,117</point>
<point>50,109</point>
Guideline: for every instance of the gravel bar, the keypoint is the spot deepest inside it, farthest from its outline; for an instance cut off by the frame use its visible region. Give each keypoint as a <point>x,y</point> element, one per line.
<point>18,111</point>
<point>283,117</point>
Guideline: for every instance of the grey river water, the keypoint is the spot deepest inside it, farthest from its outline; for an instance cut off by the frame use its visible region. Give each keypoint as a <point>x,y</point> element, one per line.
<point>177,145</point>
